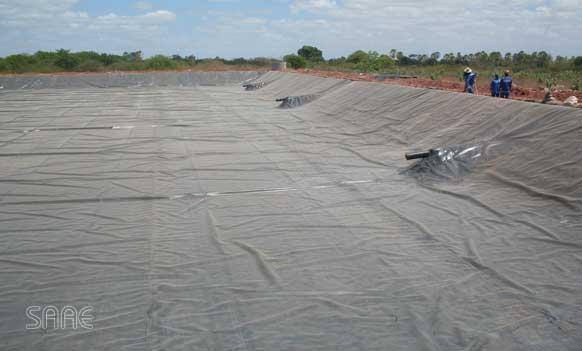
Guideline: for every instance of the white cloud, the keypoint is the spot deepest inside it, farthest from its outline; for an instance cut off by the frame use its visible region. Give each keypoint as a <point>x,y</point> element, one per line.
<point>413,26</point>
<point>31,25</point>
<point>115,23</point>
<point>52,16</point>
<point>444,25</point>
<point>8,7</point>
<point>338,27</point>
<point>159,16</point>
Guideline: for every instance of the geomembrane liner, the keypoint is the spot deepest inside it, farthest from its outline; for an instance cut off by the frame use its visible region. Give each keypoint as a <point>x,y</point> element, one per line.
<point>296,101</point>
<point>190,214</point>
<point>449,163</point>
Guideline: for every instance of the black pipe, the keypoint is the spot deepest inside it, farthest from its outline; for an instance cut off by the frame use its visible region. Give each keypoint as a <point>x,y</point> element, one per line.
<point>423,154</point>
<point>415,155</point>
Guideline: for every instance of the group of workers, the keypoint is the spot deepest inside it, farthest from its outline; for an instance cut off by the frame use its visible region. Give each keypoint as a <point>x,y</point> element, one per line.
<point>500,87</point>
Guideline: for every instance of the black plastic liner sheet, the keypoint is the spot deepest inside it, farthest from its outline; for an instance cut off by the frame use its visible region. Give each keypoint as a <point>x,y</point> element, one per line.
<point>125,80</point>
<point>206,218</point>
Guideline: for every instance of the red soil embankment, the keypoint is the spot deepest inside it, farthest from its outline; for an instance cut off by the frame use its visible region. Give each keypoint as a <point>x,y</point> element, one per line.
<point>519,92</point>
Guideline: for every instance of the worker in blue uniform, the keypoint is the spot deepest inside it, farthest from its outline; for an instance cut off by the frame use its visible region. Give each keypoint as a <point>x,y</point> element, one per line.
<point>495,86</point>
<point>506,83</point>
<point>470,81</point>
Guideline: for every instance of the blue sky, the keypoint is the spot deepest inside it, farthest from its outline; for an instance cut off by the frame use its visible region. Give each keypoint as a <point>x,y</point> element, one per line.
<point>251,28</point>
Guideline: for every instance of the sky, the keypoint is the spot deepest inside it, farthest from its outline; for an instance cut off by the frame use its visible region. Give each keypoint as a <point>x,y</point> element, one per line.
<point>259,28</point>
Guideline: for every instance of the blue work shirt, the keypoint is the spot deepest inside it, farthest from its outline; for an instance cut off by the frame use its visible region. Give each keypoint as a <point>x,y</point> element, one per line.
<point>495,86</point>
<point>506,83</point>
<point>470,80</point>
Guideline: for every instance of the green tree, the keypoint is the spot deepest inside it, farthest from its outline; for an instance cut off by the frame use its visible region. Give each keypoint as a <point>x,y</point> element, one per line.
<point>109,60</point>
<point>87,56</point>
<point>358,57</point>
<point>238,61</point>
<point>135,56</point>
<point>191,59</point>
<point>384,62</point>
<point>481,58</point>
<point>19,63</point>
<point>65,60</point>
<point>521,58</point>
<point>311,53</point>
<point>45,56</point>
<point>408,60</point>
<point>540,59</point>
<point>495,58</point>
<point>578,63</point>
<point>295,61</point>
<point>393,54</point>
<point>434,58</point>
<point>448,59</point>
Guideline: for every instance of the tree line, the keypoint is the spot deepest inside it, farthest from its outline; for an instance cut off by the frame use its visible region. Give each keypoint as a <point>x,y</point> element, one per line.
<point>90,61</point>
<point>374,61</point>
<point>307,56</point>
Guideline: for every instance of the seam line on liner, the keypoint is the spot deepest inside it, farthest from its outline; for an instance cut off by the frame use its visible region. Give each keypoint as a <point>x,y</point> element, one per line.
<point>192,195</point>
<point>35,130</point>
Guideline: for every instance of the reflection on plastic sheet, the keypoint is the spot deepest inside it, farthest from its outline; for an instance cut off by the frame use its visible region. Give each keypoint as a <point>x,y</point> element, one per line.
<point>450,162</point>
<point>253,86</point>
<point>296,101</point>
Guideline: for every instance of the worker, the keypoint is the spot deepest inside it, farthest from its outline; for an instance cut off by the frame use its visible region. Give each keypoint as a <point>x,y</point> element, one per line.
<point>495,86</point>
<point>506,83</point>
<point>470,81</point>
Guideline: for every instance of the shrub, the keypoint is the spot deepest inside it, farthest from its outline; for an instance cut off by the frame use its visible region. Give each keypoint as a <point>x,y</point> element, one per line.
<point>127,66</point>
<point>578,63</point>
<point>384,62</point>
<point>160,62</point>
<point>370,61</point>
<point>19,63</point>
<point>337,61</point>
<point>90,66</point>
<point>436,75</point>
<point>295,61</point>
<point>550,83</point>
<point>237,61</point>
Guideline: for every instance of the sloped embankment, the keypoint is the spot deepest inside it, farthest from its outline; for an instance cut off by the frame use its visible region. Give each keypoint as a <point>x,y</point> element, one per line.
<point>530,146</point>
<point>125,80</point>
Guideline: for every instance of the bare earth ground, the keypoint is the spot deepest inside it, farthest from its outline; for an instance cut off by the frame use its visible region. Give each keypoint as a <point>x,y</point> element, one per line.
<point>519,92</point>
